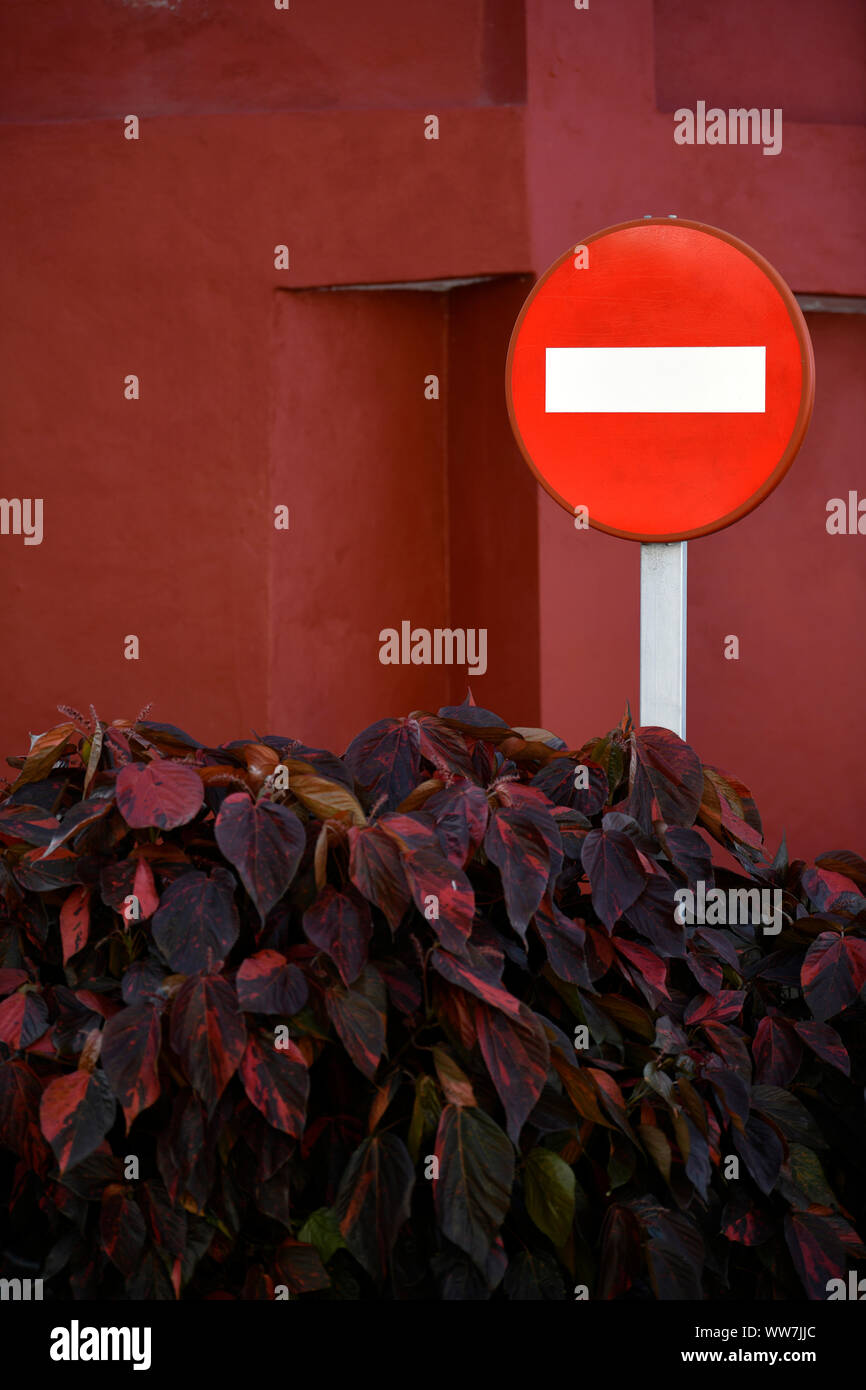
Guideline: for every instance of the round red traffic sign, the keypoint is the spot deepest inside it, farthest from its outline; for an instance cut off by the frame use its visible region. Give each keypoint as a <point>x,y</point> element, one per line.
<point>660,374</point>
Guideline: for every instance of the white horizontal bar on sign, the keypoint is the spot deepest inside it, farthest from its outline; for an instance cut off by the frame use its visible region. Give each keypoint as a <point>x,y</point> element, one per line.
<point>669,380</point>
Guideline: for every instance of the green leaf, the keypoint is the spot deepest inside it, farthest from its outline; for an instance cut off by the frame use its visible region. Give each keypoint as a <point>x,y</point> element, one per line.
<point>549,1188</point>
<point>322,1229</point>
<point>807,1173</point>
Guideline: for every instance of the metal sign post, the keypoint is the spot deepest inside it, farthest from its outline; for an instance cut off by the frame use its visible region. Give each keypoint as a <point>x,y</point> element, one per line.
<point>663,636</point>
<point>659,384</point>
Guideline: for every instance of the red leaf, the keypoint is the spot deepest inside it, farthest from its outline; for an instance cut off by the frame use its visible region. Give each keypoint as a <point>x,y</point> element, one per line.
<point>340,926</point>
<point>84,813</point>
<point>11,979</point>
<point>521,841</point>
<point>23,1019</point>
<point>674,1251</point>
<point>360,1026</point>
<point>830,891</point>
<point>76,1113</point>
<point>160,793</point>
<point>612,1099</point>
<point>564,942</point>
<point>739,829</point>
<point>182,1153</point>
<point>20,1094</point>
<point>828,983</point>
<point>615,874</point>
<point>382,1098</point>
<point>723,1007</point>
<point>41,875</point>
<point>118,878</point>
<point>144,889</point>
<point>516,1055</point>
<point>776,1051</point>
<point>744,1222</point>
<point>844,861</point>
<point>665,769</point>
<point>443,894</point>
<point>167,1222</point>
<point>474,975</point>
<point>730,1048</point>
<point>648,966</point>
<point>707,971</point>
<point>277,1083</point>
<point>208,1035</point>
<point>267,984</point>
<point>300,1267</point>
<point>556,780</point>
<point>729,813</point>
<point>130,1051</point>
<point>376,869</point>
<point>856,950</point>
<point>414,831</point>
<point>32,824</point>
<point>826,1043</point>
<point>122,1228</point>
<point>75,921</point>
<point>374,1199</point>
<point>264,841</point>
<point>443,746</point>
<point>817,1254</point>
<point>197,923</point>
<point>455,1084</point>
<point>404,991</point>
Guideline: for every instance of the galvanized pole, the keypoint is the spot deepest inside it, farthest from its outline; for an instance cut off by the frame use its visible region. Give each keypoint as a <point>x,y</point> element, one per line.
<point>663,636</point>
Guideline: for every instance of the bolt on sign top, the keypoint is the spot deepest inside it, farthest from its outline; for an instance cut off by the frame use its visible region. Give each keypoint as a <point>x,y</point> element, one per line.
<point>661,375</point>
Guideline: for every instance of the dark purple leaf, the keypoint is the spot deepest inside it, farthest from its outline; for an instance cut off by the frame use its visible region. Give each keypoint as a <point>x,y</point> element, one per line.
<point>376,870</point>
<point>460,814</point>
<point>130,1052</point>
<point>777,1052</point>
<point>277,1082</point>
<point>476,1172</point>
<point>268,984</point>
<point>264,841</point>
<point>516,1055</point>
<point>666,770</point>
<point>207,1034</point>
<point>374,1200</point>
<point>563,940</point>
<point>616,876</point>
<point>386,760</point>
<point>826,1044</point>
<point>340,926</point>
<point>197,923</point>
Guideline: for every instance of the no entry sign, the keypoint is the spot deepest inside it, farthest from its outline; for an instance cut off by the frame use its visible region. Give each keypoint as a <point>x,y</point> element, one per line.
<point>660,374</point>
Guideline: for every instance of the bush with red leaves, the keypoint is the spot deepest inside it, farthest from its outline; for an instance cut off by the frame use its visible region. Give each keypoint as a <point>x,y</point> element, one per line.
<point>420,1022</point>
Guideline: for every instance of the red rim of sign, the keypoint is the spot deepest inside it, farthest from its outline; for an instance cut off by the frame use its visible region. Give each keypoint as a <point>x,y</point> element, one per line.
<point>807,391</point>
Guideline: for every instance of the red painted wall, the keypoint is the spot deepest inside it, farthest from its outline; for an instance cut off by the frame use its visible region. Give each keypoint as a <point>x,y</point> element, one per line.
<point>305,127</point>
<point>600,151</point>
